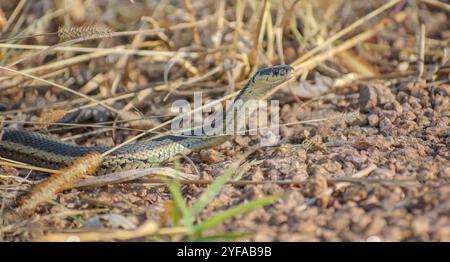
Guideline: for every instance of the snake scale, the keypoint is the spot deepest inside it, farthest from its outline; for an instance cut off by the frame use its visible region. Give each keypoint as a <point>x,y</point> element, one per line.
<point>40,150</point>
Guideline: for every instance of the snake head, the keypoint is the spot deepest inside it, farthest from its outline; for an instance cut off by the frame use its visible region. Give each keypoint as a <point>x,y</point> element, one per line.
<point>273,75</point>
<point>263,81</point>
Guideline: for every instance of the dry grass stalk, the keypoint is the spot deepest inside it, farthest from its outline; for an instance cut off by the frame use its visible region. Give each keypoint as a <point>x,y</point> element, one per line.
<point>342,185</point>
<point>130,175</point>
<point>354,63</point>
<point>149,228</point>
<point>59,86</point>
<point>239,14</point>
<point>283,23</point>
<point>409,50</point>
<point>67,126</point>
<point>14,15</point>
<point>345,31</point>
<point>302,67</point>
<point>311,63</point>
<point>48,189</point>
<point>195,33</point>
<point>16,164</point>
<point>259,36</point>
<point>438,3</point>
<point>421,46</point>
<point>339,186</point>
<point>230,182</point>
<point>120,50</point>
<point>86,38</point>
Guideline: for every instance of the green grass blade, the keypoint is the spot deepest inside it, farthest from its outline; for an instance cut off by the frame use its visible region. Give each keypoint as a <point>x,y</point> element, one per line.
<point>215,187</point>
<point>179,202</point>
<point>176,214</point>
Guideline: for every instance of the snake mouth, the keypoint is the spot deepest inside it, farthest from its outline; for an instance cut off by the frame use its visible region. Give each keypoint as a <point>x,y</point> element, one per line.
<point>291,70</point>
<point>290,73</point>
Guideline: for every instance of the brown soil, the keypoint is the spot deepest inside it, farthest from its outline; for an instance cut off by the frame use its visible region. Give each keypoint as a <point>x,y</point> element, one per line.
<point>400,125</point>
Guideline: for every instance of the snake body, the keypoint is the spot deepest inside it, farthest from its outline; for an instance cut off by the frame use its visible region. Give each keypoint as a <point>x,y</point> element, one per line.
<point>40,150</point>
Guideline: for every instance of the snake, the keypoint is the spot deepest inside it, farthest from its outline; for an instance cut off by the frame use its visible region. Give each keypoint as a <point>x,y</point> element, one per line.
<point>40,150</point>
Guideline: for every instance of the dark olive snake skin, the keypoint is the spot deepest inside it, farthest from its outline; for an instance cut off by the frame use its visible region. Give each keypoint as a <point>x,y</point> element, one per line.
<point>40,150</point>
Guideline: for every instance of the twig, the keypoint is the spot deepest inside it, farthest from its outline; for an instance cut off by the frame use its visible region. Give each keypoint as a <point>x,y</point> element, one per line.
<point>437,3</point>
<point>17,178</point>
<point>258,37</point>
<point>120,50</point>
<point>195,33</point>
<point>17,164</point>
<point>124,176</point>
<point>14,14</point>
<point>421,46</point>
<point>230,182</point>
<point>149,228</point>
<point>83,39</point>
<point>346,30</point>
<point>61,87</point>
<point>339,186</point>
<point>47,190</point>
<point>189,160</point>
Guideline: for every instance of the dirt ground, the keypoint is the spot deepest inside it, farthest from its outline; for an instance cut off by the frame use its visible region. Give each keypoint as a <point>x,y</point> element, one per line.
<point>377,168</point>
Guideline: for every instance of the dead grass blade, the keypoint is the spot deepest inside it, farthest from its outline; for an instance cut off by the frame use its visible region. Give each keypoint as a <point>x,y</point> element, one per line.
<point>61,87</point>
<point>130,175</point>
<point>345,31</point>
<point>47,190</point>
<point>149,228</point>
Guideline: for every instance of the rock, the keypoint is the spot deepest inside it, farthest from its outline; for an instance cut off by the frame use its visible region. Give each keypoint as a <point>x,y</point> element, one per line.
<point>316,185</point>
<point>409,116</point>
<point>373,120</point>
<point>394,234</point>
<point>307,227</point>
<point>367,98</point>
<point>378,223</point>
<point>384,94</point>
<point>394,105</point>
<point>446,172</point>
<point>442,233</point>
<point>211,156</point>
<point>420,225</point>
<point>385,125</point>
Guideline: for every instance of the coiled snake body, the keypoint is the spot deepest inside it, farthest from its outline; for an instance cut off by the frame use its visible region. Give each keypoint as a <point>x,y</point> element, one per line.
<point>40,150</point>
